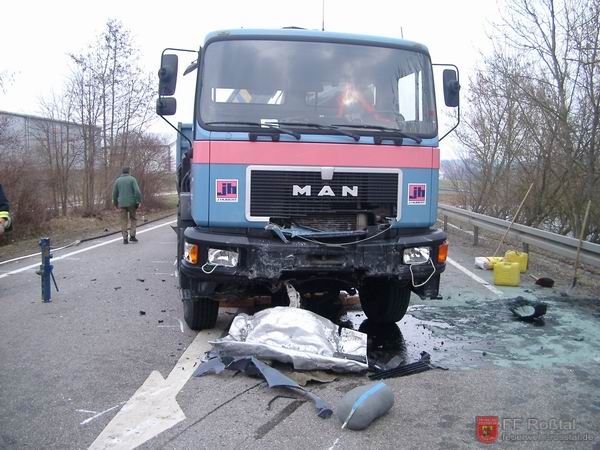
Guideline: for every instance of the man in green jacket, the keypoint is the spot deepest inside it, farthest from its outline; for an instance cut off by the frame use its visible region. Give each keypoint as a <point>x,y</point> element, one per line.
<point>127,197</point>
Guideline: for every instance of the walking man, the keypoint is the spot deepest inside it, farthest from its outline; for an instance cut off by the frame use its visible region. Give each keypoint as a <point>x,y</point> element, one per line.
<point>127,197</point>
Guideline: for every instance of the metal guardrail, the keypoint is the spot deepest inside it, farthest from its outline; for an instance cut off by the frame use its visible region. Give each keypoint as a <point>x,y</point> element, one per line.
<point>552,242</point>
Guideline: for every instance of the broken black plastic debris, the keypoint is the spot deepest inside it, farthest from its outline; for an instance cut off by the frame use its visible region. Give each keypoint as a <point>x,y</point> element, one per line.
<point>255,367</point>
<point>142,313</point>
<point>141,280</point>
<point>529,312</point>
<point>422,365</point>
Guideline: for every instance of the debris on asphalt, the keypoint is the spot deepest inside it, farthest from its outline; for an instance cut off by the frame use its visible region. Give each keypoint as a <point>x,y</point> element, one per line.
<point>306,376</point>
<point>422,365</point>
<point>296,336</point>
<point>117,288</point>
<point>362,405</point>
<point>255,367</point>
<point>141,280</point>
<point>529,312</point>
<point>160,321</point>
<point>543,281</point>
<point>142,313</point>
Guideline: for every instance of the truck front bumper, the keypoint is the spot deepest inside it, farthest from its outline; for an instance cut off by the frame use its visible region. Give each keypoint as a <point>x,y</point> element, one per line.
<point>264,258</point>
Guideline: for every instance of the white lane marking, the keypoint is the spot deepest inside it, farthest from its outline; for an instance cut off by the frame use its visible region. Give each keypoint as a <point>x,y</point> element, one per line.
<point>180,325</point>
<point>475,277</point>
<point>89,419</point>
<point>334,444</point>
<point>154,408</point>
<point>86,411</point>
<point>101,244</point>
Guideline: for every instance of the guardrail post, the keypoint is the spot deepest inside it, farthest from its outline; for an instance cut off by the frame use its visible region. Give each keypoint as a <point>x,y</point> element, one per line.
<point>445,223</point>
<point>475,235</point>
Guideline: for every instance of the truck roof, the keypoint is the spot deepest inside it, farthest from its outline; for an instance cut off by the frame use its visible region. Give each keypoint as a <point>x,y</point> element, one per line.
<point>315,35</point>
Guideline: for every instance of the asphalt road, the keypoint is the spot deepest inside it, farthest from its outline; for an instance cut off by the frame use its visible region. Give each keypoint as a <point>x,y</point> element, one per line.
<point>107,364</point>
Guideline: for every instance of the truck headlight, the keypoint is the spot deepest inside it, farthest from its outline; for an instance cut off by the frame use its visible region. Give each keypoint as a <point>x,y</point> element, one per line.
<point>416,255</point>
<point>226,258</point>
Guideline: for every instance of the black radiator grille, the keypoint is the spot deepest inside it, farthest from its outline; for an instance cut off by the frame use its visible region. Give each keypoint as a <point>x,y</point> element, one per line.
<point>271,193</point>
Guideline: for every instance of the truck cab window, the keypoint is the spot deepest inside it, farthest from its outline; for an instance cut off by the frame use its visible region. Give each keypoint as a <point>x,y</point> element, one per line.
<point>322,83</point>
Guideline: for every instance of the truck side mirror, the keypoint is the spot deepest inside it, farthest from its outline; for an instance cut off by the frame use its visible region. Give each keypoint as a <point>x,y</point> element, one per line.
<point>451,88</point>
<point>166,106</point>
<point>167,75</point>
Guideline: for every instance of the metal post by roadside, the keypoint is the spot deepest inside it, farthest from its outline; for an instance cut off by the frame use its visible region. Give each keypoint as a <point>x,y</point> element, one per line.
<point>45,270</point>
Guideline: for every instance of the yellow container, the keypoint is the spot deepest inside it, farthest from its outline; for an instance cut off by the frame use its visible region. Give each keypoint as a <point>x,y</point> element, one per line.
<point>507,274</point>
<point>518,257</point>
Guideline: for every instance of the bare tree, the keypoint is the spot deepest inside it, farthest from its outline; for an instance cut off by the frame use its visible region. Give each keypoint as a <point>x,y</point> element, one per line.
<point>123,97</point>
<point>544,75</point>
<point>60,144</point>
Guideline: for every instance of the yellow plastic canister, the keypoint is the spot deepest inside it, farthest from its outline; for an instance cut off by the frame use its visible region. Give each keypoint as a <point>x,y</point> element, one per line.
<point>507,274</point>
<point>518,257</point>
<point>494,260</point>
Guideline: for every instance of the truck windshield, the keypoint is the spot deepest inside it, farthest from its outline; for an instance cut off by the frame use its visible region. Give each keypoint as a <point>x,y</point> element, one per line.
<point>322,83</point>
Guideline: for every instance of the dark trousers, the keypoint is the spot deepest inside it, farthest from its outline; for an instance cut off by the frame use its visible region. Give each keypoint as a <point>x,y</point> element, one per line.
<point>126,213</point>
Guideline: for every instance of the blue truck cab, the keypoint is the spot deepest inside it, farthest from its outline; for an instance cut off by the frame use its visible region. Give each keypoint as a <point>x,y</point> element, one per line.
<point>311,163</point>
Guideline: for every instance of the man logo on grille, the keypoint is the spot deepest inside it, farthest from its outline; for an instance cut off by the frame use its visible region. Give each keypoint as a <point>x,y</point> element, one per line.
<point>326,191</point>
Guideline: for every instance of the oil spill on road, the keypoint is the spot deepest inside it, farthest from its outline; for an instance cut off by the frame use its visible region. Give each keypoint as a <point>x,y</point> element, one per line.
<point>484,333</point>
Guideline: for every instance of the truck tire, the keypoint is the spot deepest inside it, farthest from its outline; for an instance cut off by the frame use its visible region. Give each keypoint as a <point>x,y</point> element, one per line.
<point>384,300</point>
<point>200,313</point>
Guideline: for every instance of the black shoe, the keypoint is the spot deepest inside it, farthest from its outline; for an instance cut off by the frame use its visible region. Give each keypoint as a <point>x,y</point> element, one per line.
<point>125,241</point>
<point>133,239</point>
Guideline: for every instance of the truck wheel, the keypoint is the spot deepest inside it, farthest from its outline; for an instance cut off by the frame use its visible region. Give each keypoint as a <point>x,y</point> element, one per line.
<point>200,312</point>
<point>384,300</point>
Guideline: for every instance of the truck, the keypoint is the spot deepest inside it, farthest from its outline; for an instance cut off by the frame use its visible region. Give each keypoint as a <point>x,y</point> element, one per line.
<point>311,166</point>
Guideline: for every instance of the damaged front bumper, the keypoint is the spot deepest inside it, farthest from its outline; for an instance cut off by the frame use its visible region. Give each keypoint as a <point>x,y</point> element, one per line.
<point>262,257</point>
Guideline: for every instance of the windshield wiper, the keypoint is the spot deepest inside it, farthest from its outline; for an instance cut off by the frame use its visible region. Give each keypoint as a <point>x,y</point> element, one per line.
<point>322,127</point>
<point>380,128</point>
<point>270,126</point>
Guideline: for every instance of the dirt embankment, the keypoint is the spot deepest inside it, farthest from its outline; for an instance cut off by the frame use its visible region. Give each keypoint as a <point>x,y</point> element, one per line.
<point>65,230</point>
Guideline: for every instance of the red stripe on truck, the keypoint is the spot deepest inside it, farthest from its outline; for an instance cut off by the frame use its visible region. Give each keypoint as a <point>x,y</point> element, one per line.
<point>315,154</point>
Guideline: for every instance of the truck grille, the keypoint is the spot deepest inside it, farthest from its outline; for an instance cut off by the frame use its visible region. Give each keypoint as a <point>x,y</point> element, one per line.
<point>271,194</point>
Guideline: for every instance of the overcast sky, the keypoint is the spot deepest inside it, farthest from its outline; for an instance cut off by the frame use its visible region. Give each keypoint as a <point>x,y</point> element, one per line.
<point>37,35</point>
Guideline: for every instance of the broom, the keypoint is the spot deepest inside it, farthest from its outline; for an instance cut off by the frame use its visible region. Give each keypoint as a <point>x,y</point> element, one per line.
<point>581,236</point>
<point>513,220</point>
